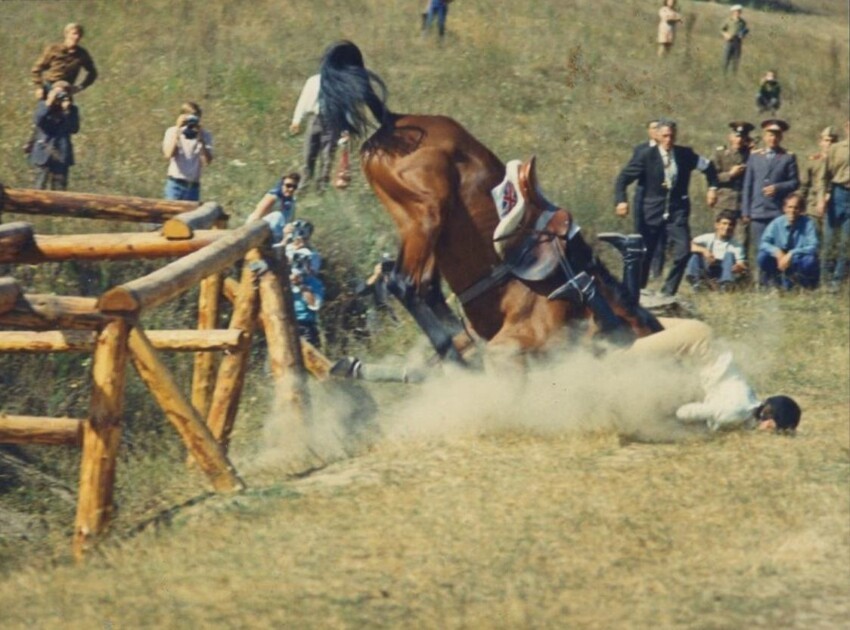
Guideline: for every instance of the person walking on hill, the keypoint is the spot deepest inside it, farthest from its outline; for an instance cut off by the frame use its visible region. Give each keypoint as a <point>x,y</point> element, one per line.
<point>321,140</point>
<point>834,205</point>
<point>771,175</point>
<point>734,30</point>
<point>56,119</point>
<point>668,18</point>
<point>188,147</point>
<point>665,171</point>
<point>63,62</point>
<point>439,10</point>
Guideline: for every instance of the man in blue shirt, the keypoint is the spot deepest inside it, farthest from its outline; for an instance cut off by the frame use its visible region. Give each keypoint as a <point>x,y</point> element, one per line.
<point>282,195</point>
<point>788,249</point>
<point>308,293</point>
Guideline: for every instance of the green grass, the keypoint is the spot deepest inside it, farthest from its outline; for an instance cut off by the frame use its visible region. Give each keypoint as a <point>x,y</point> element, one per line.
<point>510,518</point>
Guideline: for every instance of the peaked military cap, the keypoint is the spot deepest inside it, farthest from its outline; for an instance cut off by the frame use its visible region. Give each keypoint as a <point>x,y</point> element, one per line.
<point>741,128</point>
<point>775,124</point>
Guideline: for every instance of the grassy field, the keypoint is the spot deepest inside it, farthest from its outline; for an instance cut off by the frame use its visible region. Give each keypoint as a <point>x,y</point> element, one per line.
<point>569,499</point>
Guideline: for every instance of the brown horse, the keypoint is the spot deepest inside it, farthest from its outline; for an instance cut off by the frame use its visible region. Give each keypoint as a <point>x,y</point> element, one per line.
<point>435,179</point>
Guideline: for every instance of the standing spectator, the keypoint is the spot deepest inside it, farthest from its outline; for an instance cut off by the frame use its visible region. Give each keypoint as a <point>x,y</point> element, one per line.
<point>717,255</point>
<point>788,250</point>
<point>731,164</point>
<point>666,174</point>
<point>835,206</point>
<point>656,264</point>
<point>438,9</point>
<point>63,62</point>
<point>771,176</point>
<point>187,146</point>
<point>769,97</point>
<point>281,194</point>
<point>668,18</point>
<point>811,175</point>
<point>56,119</point>
<point>308,293</point>
<point>321,140</point>
<point>734,30</point>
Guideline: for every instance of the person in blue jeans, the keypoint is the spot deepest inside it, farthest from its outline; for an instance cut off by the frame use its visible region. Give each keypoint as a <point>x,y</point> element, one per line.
<point>438,9</point>
<point>277,207</point>
<point>717,255</point>
<point>188,147</point>
<point>788,249</point>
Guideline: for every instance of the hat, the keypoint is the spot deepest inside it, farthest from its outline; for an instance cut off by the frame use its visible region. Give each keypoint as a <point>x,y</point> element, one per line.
<point>775,124</point>
<point>741,128</point>
<point>829,132</point>
<point>736,7</point>
<point>783,410</point>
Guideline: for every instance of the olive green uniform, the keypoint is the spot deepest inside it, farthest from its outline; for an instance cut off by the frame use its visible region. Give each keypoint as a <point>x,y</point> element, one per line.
<point>729,189</point>
<point>811,180</point>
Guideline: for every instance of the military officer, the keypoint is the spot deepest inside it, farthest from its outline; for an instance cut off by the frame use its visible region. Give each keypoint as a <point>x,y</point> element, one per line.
<point>834,206</point>
<point>811,174</point>
<point>731,164</point>
<point>771,175</point>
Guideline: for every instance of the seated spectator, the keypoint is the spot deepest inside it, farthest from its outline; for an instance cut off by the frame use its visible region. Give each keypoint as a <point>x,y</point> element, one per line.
<point>56,119</point>
<point>768,98</point>
<point>308,293</point>
<point>283,194</point>
<point>788,249</point>
<point>717,256</point>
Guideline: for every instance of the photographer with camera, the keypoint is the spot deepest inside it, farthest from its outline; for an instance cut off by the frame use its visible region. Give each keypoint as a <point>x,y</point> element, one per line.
<point>56,119</point>
<point>308,293</point>
<point>187,146</point>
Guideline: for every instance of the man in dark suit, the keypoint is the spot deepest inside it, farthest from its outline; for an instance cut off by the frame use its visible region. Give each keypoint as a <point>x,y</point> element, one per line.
<point>771,175</point>
<point>664,171</point>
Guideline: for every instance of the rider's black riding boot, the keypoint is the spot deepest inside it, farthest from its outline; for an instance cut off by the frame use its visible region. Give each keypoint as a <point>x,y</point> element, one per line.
<point>582,288</point>
<point>632,250</point>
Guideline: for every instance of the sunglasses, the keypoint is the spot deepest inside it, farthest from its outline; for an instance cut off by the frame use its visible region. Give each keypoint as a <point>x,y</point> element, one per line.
<point>293,186</point>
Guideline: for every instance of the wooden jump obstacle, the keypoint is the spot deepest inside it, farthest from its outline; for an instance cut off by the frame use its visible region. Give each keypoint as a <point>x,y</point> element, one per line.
<point>195,237</point>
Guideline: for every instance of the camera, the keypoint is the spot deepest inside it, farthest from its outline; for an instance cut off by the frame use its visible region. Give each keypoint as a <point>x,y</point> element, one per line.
<point>190,129</point>
<point>387,263</point>
<point>302,229</point>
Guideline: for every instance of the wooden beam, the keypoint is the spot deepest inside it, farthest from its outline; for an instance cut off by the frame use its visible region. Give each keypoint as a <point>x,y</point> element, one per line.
<point>40,430</point>
<point>178,276</point>
<point>184,225</point>
<point>14,238</point>
<point>282,336</point>
<point>204,369</point>
<point>202,341</point>
<point>316,363</point>
<point>197,438</point>
<point>50,312</point>
<point>111,246</point>
<point>91,206</point>
<point>9,292</point>
<point>231,371</point>
<point>101,436</point>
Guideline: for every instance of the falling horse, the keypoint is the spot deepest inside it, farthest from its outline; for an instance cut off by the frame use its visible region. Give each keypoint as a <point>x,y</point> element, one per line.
<point>522,271</point>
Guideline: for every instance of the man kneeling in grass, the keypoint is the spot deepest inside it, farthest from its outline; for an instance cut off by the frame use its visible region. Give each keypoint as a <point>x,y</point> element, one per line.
<point>716,257</point>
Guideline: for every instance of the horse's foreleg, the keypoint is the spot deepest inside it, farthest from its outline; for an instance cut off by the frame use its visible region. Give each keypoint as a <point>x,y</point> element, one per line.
<point>437,333</point>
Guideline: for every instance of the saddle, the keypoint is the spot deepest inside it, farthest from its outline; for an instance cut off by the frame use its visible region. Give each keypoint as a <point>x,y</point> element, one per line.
<point>531,251</point>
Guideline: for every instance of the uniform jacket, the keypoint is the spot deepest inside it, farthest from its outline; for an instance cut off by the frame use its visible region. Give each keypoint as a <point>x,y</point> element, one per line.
<point>780,171</point>
<point>53,135</point>
<point>729,189</point>
<point>647,168</point>
<point>811,180</point>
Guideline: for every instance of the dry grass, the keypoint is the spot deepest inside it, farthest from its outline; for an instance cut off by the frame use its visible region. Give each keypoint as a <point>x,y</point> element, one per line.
<point>508,518</point>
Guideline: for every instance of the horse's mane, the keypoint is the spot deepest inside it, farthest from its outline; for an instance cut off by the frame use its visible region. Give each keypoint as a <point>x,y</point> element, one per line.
<point>346,85</point>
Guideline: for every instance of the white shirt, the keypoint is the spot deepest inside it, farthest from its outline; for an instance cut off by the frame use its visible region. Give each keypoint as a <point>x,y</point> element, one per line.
<point>308,101</point>
<point>719,247</point>
<point>186,162</point>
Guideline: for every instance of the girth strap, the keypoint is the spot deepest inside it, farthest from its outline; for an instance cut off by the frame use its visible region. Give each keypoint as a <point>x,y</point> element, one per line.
<point>496,276</point>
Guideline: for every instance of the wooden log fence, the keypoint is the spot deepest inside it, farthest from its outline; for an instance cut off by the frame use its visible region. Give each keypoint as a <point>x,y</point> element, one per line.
<point>109,327</point>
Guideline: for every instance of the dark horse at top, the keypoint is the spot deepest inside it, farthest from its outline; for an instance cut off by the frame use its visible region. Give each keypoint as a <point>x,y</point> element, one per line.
<point>435,179</point>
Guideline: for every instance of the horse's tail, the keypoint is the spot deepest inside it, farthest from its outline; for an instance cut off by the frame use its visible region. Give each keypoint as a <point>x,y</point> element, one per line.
<point>346,86</point>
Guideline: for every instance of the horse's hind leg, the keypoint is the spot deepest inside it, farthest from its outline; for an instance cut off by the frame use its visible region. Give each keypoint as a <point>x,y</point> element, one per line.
<point>437,333</point>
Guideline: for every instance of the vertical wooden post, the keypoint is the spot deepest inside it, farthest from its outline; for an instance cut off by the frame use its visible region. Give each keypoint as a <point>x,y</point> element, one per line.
<point>231,371</point>
<point>202,377</point>
<point>179,411</point>
<point>101,435</point>
<point>284,343</point>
